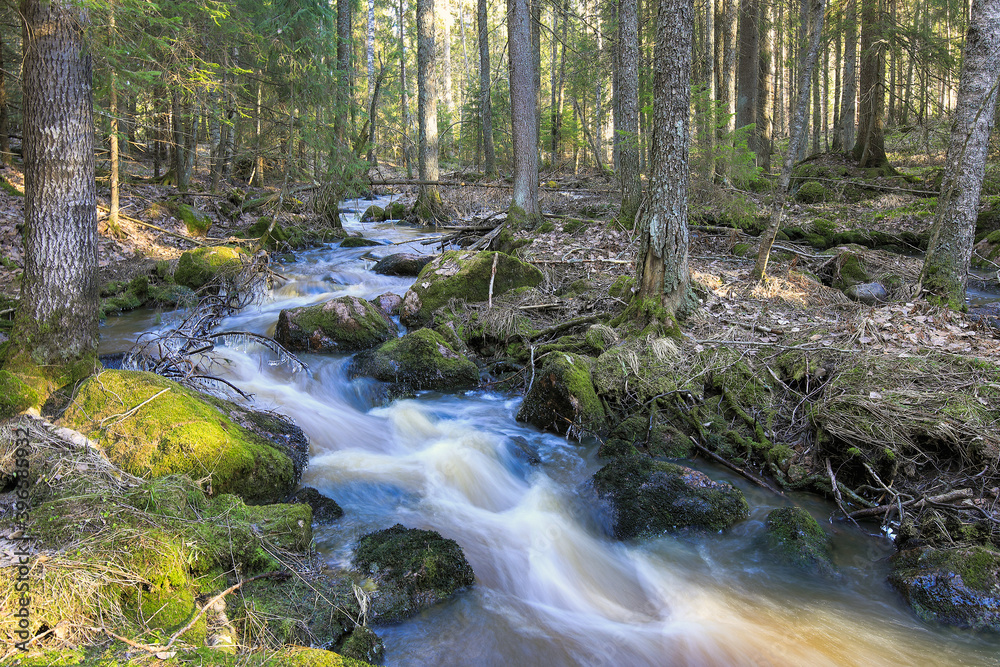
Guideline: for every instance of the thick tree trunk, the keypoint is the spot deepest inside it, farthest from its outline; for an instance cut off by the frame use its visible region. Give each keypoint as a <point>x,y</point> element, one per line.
<point>428,206</point>
<point>797,139</point>
<point>5,154</point>
<point>946,266</point>
<point>663,274</point>
<point>447,91</point>
<point>710,74</point>
<point>763,129</point>
<point>404,97</point>
<point>343,96</point>
<point>485,106</point>
<point>727,103</point>
<point>748,69</point>
<point>113,133</point>
<point>627,135</point>
<point>524,121</point>
<point>56,320</point>
<point>844,137</point>
<point>869,150</point>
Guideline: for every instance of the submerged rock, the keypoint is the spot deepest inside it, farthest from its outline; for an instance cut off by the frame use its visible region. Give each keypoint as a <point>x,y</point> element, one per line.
<point>463,275</point>
<point>151,427</point>
<point>413,569</point>
<point>957,586</point>
<point>323,509</point>
<point>562,396</point>
<point>344,324</point>
<point>796,538</point>
<point>419,360</point>
<point>402,264</point>
<point>358,242</point>
<point>648,497</point>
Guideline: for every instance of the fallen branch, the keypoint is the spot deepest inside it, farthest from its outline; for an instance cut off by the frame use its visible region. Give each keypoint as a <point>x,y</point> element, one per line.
<point>568,324</point>
<point>915,503</point>
<point>136,221</point>
<point>735,468</point>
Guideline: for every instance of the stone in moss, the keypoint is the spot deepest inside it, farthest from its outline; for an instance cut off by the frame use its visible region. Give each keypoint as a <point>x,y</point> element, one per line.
<point>401,264</point>
<point>172,295</point>
<point>373,213</point>
<point>649,497</point>
<point>462,275</point>
<point>197,222</point>
<point>562,396</point>
<point>363,644</point>
<point>300,656</point>
<point>958,586</point>
<point>412,568</point>
<point>622,288</point>
<point>152,426</point>
<point>358,242</point>
<point>323,509</point>
<point>288,526</point>
<point>344,324</point>
<point>812,192</point>
<point>203,266</point>
<point>419,360</point>
<point>796,538</point>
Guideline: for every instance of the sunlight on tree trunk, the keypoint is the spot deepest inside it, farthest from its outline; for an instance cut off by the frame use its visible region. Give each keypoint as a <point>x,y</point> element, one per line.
<point>524,119</point>
<point>428,206</point>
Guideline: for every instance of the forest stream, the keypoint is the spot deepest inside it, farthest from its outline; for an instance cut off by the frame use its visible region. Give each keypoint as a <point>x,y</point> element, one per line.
<point>552,588</point>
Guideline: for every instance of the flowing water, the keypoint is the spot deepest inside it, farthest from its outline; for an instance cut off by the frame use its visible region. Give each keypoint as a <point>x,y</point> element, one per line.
<point>551,588</point>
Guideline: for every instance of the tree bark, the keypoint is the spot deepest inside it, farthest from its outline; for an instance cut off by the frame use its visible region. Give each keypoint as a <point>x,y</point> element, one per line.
<point>113,133</point>
<point>5,154</point>
<point>797,139</point>
<point>844,137</point>
<point>869,150</point>
<point>343,71</point>
<point>946,265</point>
<point>404,97</point>
<point>663,273</point>
<point>428,206</point>
<point>763,129</point>
<point>56,319</point>
<point>748,68</point>
<point>524,121</point>
<point>485,106</point>
<point>627,135</point>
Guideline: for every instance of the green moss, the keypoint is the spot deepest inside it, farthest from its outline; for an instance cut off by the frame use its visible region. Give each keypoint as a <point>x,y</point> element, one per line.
<point>518,218</point>
<point>812,192</point>
<point>362,644</point>
<point>743,250</point>
<point>197,222</point>
<point>153,426</point>
<point>796,538</point>
<point>15,395</point>
<point>373,214</point>
<point>465,276</point>
<point>358,242</point>
<point>343,324</point>
<point>396,211</point>
<point>545,227</point>
<point>300,656</point>
<point>419,360</point>
<point>622,287</point>
<point>573,226</point>
<point>9,188</point>
<point>201,266</point>
<point>563,397</point>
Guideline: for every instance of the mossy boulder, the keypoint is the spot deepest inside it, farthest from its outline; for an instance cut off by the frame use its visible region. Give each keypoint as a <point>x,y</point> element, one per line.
<point>301,656</point>
<point>812,192</point>
<point>412,569</point>
<point>648,497</point>
<point>958,586</point>
<point>401,264</point>
<point>389,303</point>
<point>363,644</point>
<point>323,509</point>
<point>562,397</point>
<point>462,275</point>
<point>203,266</point>
<point>197,222</point>
<point>373,213</point>
<point>396,211</point>
<point>796,538</point>
<point>151,426</point>
<point>344,324</point>
<point>419,360</point>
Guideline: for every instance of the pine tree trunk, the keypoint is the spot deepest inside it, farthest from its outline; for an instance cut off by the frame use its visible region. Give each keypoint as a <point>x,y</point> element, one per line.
<point>748,68</point>
<point>343,71</point>
<point>848,107</point>
<point>763,149</point>
<point>524,121</point>
<point>404,98</point>
<point>708,112</point>
<point>56,320</point>
<point>663,273</point>
<point>869,150</point>
<point>946,265</point>
<point>485,105</point>
<point>113,133</point>
<point>5,154</point>
<point>627,136</point>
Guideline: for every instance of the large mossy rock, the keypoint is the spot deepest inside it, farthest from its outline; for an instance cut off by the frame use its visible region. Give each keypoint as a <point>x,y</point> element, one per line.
<point>462,275</point>
<point>957,586</point>
<point>202,266</point>
<point>562,396</point>
<point>301,656</point>
<point>419,360</point>
<point>373,213</point>
<point>797,539</point>
<point>323,509</point>
<point>151,427</point>
<point>344,324</point>
<point>648,497</point>
<point>402,264</point>
<point>412,569</point>
<point>197,222</point>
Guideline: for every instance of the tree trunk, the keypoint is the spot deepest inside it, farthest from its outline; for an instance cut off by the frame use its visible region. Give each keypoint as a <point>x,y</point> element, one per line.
<point>748,69</point>
<point>56,320</point>
<point>627,136</point>
<point>554,92</point>
<point>727,103</point>
<point>258,170</point>
<point>404,98</point>
<point>447,91</point>
<point>797,139</point>
<point>343,96</point>
<point>946,266</point>
<point>869,150</point>
<point>113,133</point>
<point>485,106</point>
<point>5,154</point>
<point>710,74</point>
<point>848,109</point>
<point>428,206</point>
<point>663,273</point>
<point>524,121</point>
<point>763,129</point>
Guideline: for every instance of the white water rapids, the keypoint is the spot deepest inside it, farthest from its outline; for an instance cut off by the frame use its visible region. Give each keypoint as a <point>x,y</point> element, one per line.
<point>551,588</point>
